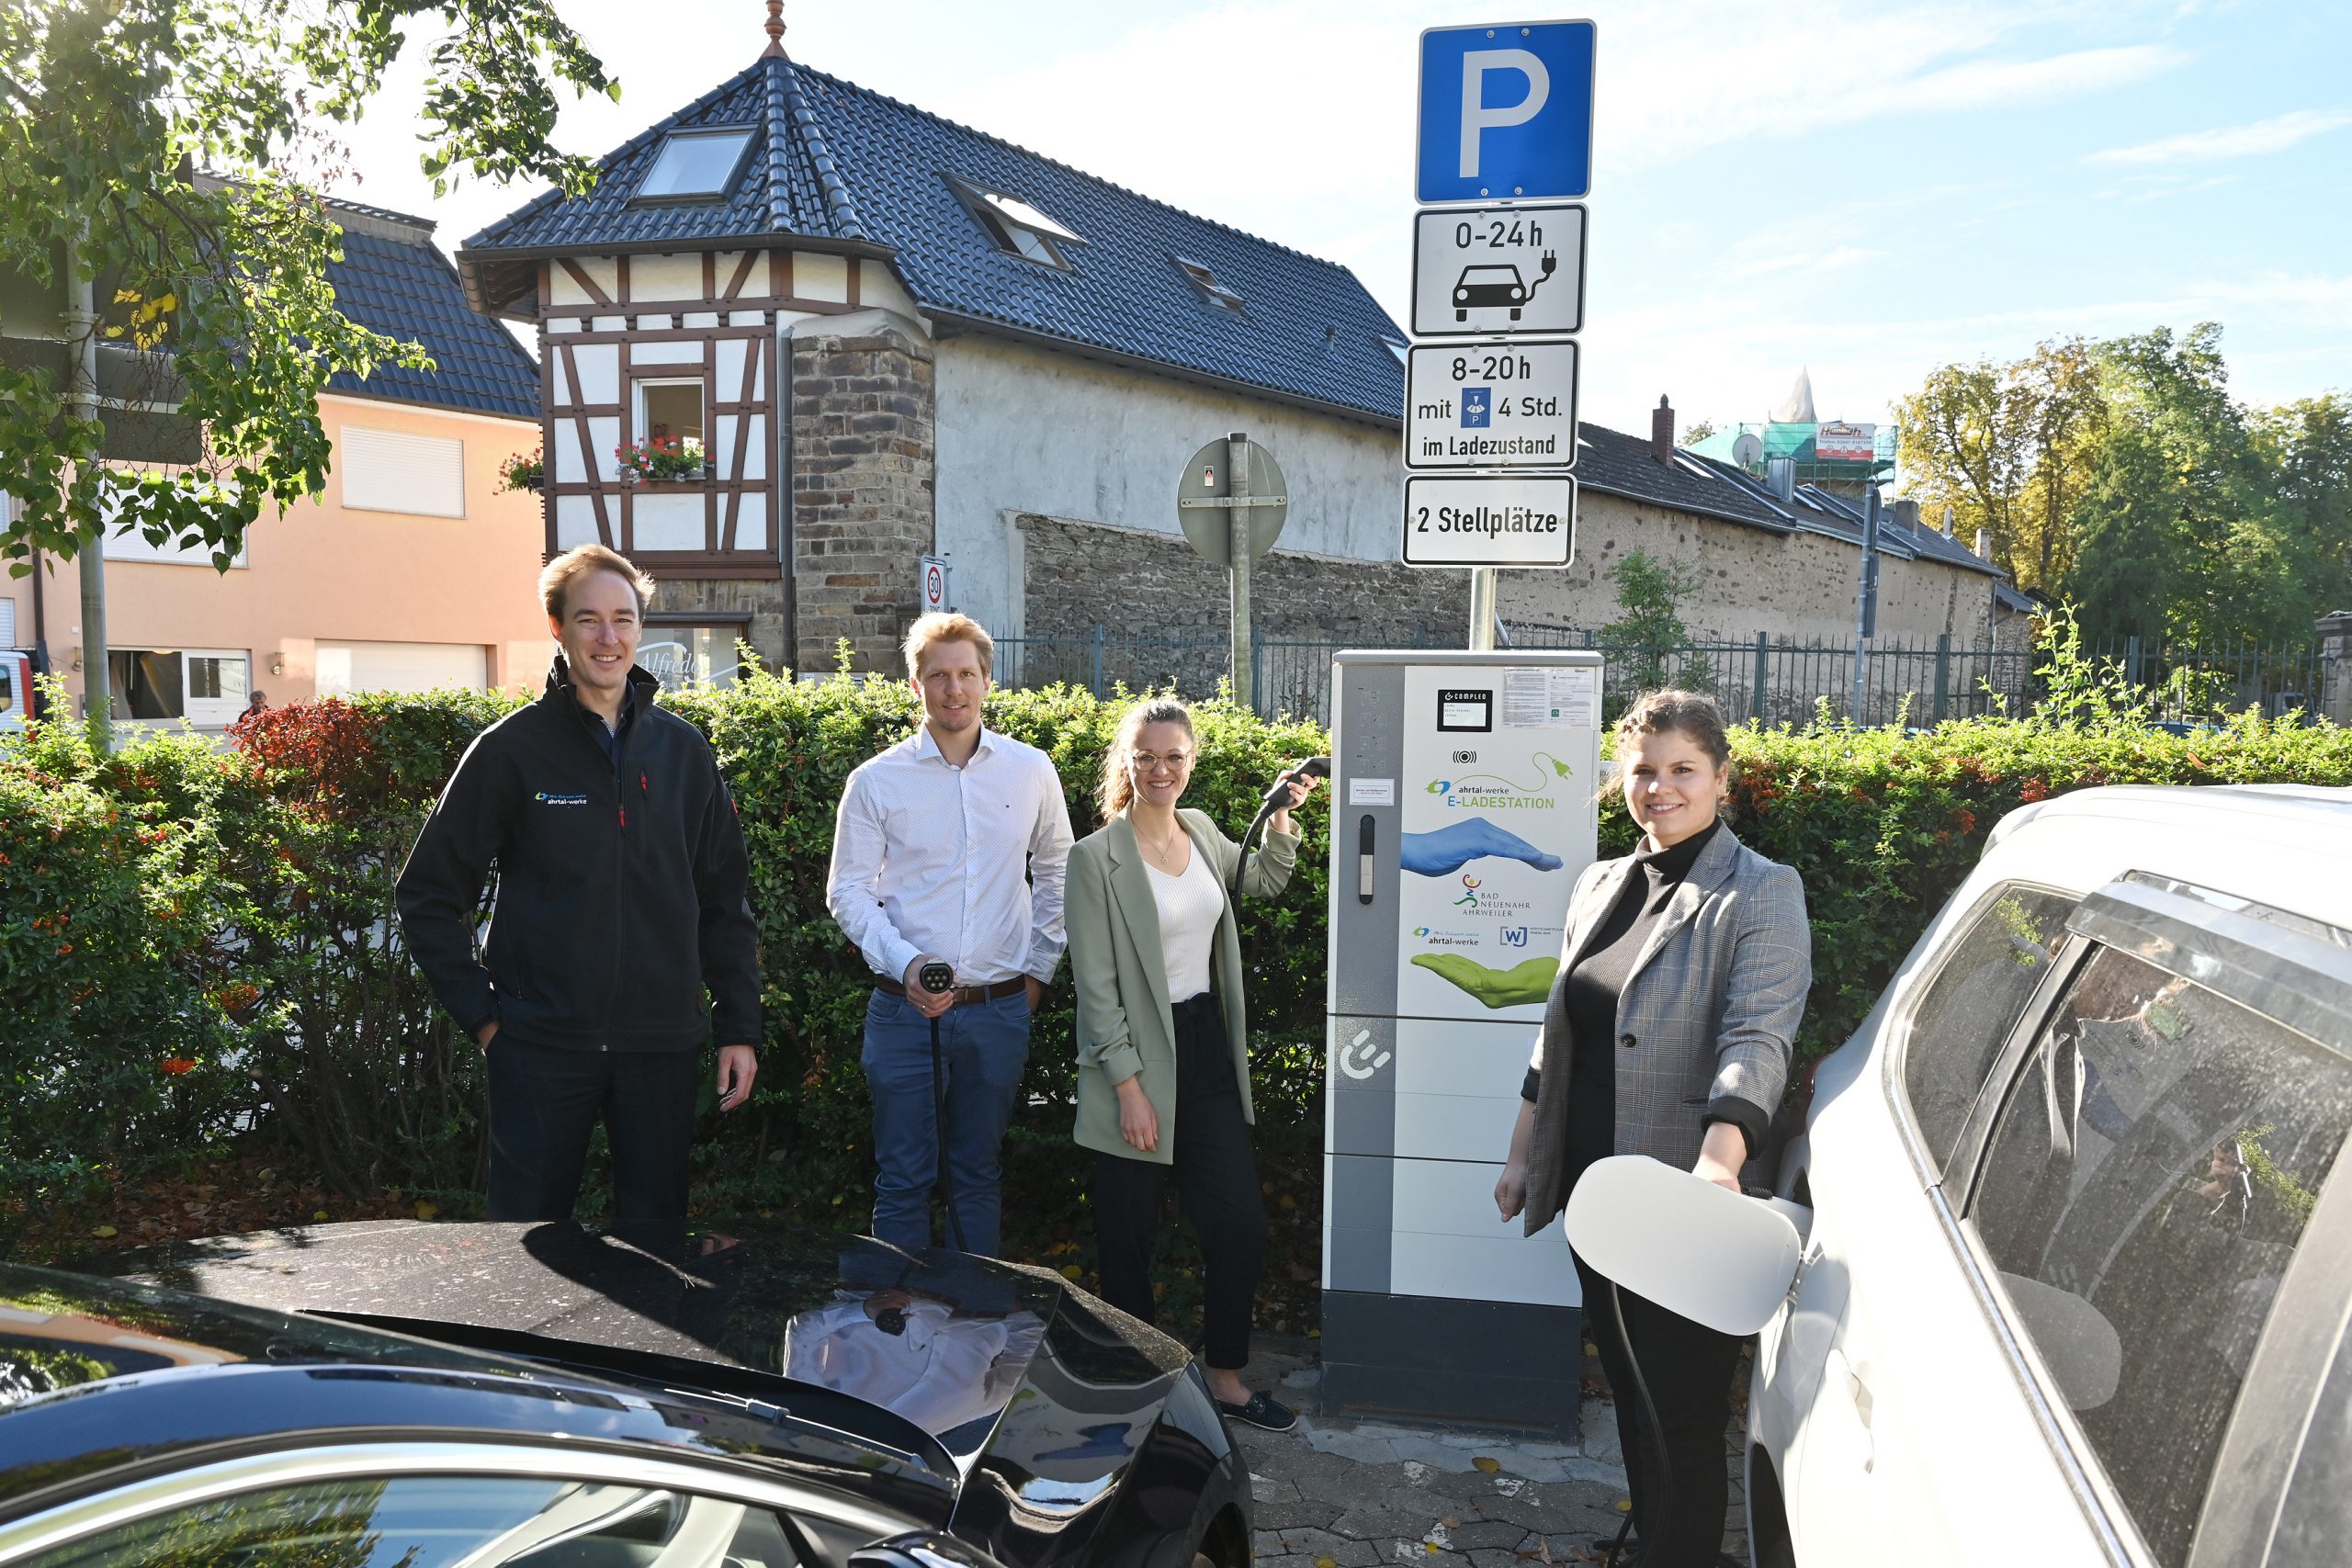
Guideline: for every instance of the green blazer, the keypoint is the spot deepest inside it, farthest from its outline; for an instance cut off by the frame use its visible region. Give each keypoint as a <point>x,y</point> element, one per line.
<point>1124,1024</point>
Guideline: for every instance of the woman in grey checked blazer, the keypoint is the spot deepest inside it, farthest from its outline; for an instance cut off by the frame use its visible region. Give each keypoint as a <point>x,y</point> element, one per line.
<point>1681,982</point>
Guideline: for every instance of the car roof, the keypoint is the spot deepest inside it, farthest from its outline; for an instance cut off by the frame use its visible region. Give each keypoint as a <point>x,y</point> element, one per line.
<point>2289,846</point>
<point>84,1359</point>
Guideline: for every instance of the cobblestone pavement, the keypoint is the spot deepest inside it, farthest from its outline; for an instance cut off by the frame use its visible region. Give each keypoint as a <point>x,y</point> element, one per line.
<point>1335,1492</point>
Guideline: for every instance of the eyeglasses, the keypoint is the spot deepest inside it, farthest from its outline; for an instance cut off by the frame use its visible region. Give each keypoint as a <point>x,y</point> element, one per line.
<point>1149,761</point>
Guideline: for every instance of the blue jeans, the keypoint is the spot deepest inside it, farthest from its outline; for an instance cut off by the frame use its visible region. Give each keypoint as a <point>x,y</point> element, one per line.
<point>983,1048</point>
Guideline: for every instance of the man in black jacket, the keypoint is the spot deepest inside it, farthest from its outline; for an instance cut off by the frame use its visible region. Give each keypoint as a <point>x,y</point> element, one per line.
<point>621,898</point>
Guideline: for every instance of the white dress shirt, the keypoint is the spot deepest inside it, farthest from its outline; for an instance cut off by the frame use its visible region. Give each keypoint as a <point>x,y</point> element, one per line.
<point>929,857</point>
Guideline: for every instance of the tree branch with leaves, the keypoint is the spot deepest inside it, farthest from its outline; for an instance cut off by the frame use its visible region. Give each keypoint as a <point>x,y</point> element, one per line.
<point>170,145</point>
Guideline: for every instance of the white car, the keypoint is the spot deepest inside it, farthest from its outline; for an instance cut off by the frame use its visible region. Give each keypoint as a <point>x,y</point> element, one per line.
<point>2075,1281</point>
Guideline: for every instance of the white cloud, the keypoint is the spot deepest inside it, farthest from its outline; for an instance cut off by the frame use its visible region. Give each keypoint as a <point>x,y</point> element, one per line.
<point>2273,135</point>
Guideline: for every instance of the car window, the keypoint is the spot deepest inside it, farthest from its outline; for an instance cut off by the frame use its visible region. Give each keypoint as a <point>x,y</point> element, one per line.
<point>439,1522</point>
<point>1972,1005</point>
<point>2144,1191</point>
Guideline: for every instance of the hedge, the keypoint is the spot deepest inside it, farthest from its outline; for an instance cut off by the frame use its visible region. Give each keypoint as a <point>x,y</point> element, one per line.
<point>197,947</point>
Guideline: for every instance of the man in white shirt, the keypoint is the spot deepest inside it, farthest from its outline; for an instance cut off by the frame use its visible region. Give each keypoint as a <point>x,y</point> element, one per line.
<point>949,847</point>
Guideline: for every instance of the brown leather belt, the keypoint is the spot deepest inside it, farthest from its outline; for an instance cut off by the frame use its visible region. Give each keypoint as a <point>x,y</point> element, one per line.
<point>963,995</point>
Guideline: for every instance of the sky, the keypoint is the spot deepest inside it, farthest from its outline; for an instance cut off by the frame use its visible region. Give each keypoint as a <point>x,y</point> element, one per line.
<point>1862,188</point>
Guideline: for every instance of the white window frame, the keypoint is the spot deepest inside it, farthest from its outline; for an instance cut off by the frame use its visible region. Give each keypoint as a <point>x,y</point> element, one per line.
<point>205,712</point>
<point>643,424</point>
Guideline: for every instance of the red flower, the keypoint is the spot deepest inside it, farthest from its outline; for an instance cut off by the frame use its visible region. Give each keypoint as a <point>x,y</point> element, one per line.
<point>176,1066</point>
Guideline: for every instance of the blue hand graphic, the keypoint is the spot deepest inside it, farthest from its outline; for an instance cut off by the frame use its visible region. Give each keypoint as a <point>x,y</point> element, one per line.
<point>1456,844</point>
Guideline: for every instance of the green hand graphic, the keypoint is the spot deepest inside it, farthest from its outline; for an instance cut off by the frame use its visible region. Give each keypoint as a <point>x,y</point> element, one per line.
<point>1529,981</point>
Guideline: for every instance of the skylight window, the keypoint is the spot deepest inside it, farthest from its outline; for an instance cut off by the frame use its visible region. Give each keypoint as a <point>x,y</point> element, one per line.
<point>1213,291</point>
<point>1396,347</point>
<point>693,165</point>
<point>1017,226</point>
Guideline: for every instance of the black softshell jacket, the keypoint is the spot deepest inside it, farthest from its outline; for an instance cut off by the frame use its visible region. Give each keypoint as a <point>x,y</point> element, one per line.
<point>621,891</point>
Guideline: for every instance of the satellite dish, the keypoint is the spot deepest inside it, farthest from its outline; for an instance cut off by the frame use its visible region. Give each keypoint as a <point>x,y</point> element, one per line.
<point>1747,451</point>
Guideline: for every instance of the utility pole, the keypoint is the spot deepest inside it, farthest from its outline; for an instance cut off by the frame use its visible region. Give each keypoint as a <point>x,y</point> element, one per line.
<point>82,351</point>
<point>1236,479</point>
<point>1866,602</point>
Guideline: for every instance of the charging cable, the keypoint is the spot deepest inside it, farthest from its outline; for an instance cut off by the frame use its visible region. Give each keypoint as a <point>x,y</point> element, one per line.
<point>1276,799</point>
<point>936,978</point>
<point>1657,1435</point>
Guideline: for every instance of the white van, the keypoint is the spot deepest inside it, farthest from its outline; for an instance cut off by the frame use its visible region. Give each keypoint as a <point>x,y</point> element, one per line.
<point>2074,1285</point>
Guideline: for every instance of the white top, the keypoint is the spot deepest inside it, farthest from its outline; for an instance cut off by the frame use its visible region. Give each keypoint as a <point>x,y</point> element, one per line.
<point>1191,904</point>
<point>965,863</point>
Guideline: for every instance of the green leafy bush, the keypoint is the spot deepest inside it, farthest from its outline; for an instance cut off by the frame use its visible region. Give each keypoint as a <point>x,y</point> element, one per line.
<point>115,1051</point>
<point>234,911</point>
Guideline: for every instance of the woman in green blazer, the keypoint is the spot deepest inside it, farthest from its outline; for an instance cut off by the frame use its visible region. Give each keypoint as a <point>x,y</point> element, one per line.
<point>1163,1055</point>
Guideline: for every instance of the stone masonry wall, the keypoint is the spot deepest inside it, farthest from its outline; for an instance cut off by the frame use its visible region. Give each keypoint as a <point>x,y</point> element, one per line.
<point>863,419</point>
<point>1137,583</point>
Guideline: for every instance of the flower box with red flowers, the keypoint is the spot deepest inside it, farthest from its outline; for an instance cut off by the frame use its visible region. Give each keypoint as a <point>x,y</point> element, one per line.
<point>662,459</point>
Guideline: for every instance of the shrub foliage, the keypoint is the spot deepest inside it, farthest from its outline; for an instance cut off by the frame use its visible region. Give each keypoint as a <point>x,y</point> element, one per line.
<point>198,945</point>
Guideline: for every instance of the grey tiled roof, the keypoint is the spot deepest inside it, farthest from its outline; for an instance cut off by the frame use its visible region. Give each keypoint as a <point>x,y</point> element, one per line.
<point>1613,463</point>
<point>839,165</point>
<point>406,289</point>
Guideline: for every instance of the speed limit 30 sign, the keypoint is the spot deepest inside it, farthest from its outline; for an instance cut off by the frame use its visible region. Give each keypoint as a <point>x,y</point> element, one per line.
<point>1508,403</point>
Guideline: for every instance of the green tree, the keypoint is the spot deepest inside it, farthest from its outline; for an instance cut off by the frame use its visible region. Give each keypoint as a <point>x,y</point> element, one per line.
<point>153,158</point>
<point>2305,449</point>
<point>1648,633</point>
<point>2008,447</point>
<point>2178,535</point>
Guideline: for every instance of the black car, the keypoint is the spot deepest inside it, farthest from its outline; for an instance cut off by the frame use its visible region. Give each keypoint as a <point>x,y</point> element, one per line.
<point>402,1395</point>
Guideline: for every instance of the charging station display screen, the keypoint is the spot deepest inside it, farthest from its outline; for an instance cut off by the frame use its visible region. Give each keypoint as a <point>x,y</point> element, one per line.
<point>1465,710</point>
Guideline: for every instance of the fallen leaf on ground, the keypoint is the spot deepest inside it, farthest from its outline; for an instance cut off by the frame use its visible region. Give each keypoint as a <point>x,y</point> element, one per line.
<point>1327,1562</point>
<point>1623,1505</point>
<point>1485,1465</point>
<point>425,1211</point>
<point>321,1216</point>
<point>102,1231</point>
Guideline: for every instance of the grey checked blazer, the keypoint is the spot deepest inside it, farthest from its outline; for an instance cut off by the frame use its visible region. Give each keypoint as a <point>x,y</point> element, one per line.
<point>1709,1010</point>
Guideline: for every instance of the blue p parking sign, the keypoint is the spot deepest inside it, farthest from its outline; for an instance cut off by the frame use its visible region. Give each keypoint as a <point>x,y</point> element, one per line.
<point>1506,112</point>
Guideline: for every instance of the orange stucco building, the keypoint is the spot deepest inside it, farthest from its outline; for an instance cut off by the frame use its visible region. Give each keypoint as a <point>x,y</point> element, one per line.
<point>413,569</point>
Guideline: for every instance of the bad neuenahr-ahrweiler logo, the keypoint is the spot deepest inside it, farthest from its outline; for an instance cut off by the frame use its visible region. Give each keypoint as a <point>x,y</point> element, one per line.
<point>544,798</point>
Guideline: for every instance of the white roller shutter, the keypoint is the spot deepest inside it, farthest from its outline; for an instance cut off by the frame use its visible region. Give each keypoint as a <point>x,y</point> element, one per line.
<point>391,470</point>
<point>345,666</point>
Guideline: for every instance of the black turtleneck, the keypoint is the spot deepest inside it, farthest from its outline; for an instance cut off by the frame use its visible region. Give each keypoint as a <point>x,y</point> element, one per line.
<point>1584,999</point>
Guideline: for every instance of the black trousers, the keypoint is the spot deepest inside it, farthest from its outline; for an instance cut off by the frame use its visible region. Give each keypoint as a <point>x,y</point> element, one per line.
<point>1216,1175</point>
<point>1687,1368</point>
<point>544,1105</point>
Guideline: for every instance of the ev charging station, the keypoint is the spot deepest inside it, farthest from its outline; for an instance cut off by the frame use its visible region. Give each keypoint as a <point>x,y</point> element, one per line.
<point>1463,810</point>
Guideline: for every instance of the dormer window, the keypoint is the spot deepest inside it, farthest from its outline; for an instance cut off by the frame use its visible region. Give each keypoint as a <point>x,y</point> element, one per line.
<point>1015,225</point>
<point>695,165</point>
<point>1215,293</point>
<point>1398,347</point>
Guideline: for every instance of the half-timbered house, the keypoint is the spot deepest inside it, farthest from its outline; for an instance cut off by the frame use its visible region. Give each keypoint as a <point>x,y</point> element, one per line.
<point>873,335</point>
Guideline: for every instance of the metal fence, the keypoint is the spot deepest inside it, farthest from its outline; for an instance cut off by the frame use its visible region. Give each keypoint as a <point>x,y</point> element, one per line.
<point>1775,680</point>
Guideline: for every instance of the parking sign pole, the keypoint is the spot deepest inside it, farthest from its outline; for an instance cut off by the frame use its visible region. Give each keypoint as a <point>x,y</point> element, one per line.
<point>1237,483</point>
<point>1483,581</point>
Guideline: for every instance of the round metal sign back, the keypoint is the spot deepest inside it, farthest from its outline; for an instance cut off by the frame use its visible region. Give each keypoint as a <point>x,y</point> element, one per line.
<point>1209,528</point>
